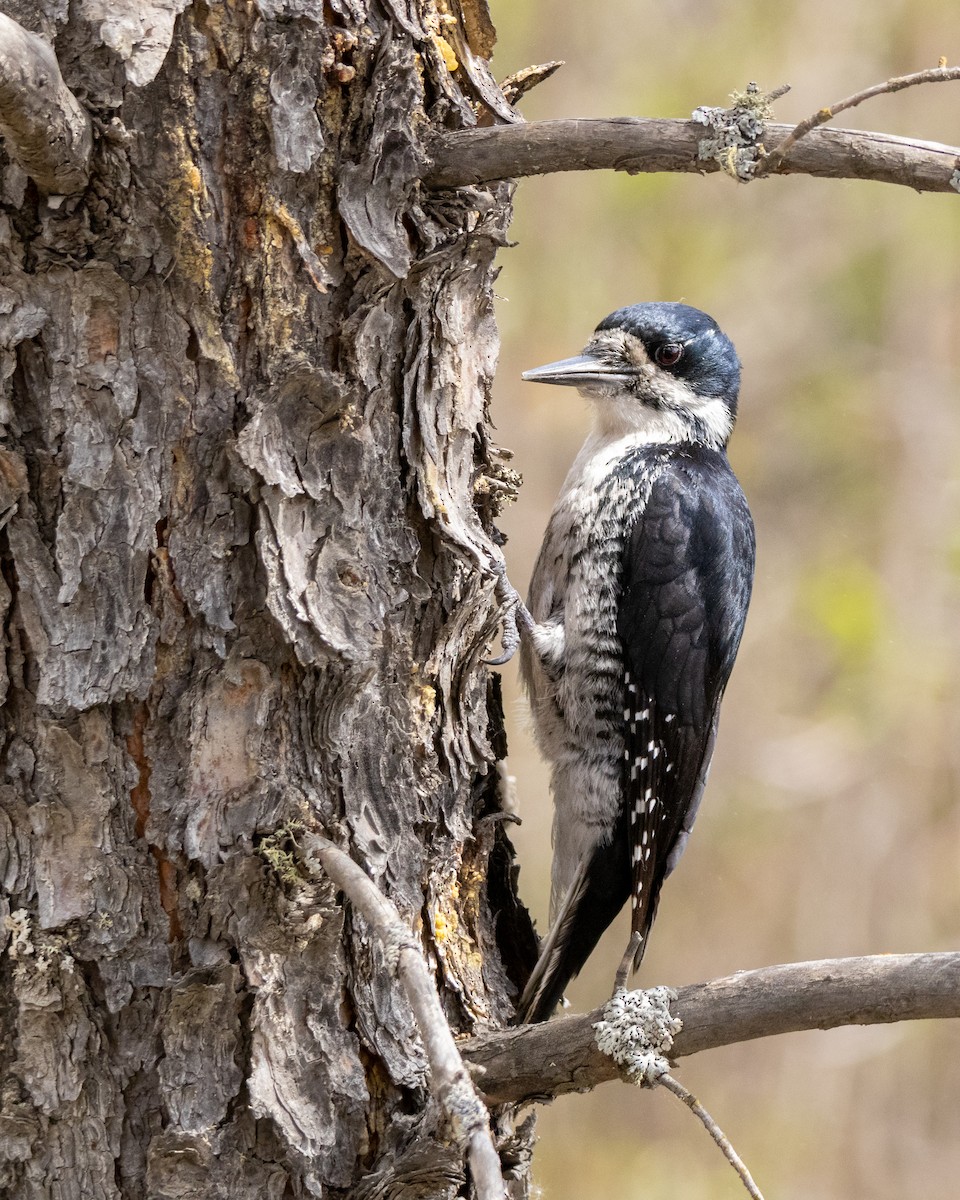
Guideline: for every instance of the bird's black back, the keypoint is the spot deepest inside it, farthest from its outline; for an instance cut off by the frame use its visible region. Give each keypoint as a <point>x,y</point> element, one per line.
<point>687,574</point>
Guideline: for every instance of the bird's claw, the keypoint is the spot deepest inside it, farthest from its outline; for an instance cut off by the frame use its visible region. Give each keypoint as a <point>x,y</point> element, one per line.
<point>509,639</point>
<point>516,620</point>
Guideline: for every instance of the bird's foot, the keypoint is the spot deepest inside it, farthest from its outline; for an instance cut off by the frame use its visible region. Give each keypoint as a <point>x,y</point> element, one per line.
<point>628,962</point>
<point>516,621</point>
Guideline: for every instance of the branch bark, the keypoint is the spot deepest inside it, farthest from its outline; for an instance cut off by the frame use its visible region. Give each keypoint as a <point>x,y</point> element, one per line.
<point>644,144</point>
<point>44,127</point>
<point>455,1091</point>
<point>541,1061</point>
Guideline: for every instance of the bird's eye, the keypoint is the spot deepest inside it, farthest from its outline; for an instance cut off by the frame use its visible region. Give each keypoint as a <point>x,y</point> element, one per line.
<point>669,354</point>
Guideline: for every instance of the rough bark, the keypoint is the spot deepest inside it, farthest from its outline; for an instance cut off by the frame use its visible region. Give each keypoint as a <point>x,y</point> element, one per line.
<point>247,500</point>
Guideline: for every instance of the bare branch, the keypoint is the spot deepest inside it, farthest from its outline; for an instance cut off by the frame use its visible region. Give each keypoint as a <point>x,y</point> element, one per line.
<point>455,1091</point>
<point>45,129</point>
<point>941,74</point>
<point>644,144</point>
<point>531,1061</point>
<point>733,1158</point>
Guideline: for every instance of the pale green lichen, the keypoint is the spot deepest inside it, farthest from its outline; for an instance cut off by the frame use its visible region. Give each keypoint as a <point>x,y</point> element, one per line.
<point>734,138</point>
<point>637,1032</point>
<point>280,851</point>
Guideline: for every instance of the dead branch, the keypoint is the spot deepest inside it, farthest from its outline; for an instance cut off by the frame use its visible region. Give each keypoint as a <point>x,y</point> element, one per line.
<point>44,128</point>
<point>454,1088</point>
<point>541,1061</point>
<point>645,144</point>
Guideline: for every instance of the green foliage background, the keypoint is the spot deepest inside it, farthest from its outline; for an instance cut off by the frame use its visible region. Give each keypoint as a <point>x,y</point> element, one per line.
<point>832,822</point>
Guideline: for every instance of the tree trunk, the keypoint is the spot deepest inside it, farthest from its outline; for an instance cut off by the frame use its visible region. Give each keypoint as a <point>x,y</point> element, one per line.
<point>247,498</point>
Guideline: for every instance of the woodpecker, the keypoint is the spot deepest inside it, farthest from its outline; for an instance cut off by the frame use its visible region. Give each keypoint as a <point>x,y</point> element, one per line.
<point>633,621</point>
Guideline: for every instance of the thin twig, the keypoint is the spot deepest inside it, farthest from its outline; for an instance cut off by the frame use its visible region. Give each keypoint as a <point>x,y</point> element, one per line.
<point>44,128</point>
<point>733,1158</point>
<point>530,1061</point>
<point>941,74</point>
<point>455,1091</point>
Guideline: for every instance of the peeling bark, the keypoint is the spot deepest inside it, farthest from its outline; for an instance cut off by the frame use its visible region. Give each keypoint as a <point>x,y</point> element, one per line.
<point>245,535</point>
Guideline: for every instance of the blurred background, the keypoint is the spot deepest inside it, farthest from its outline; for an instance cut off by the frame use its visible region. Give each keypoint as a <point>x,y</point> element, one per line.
<point>831,825</point>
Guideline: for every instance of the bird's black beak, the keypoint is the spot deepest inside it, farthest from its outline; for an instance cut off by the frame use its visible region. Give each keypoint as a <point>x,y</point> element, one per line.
<point>580,371</point>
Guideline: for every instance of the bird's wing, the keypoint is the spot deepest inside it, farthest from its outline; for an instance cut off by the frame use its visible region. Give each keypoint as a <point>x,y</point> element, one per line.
<point>686,577</point>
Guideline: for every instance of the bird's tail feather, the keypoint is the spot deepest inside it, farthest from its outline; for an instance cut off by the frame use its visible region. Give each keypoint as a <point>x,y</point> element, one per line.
<point>598,892</point>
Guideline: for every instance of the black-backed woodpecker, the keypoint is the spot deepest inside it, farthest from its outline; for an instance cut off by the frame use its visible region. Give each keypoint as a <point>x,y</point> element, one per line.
<point>633,621</point>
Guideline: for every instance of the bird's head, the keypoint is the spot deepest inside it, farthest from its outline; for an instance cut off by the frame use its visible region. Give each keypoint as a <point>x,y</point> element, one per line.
<point>664,371</point>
